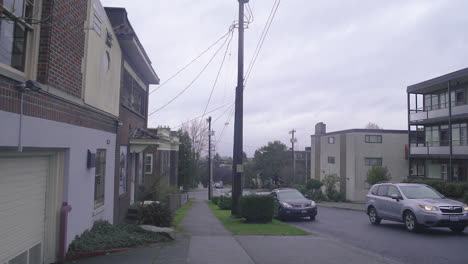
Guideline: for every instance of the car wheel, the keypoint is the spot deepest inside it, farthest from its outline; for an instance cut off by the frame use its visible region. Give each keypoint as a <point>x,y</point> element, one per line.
<point>457,229</point>
<point>373,217</point>
<point>411,223</point>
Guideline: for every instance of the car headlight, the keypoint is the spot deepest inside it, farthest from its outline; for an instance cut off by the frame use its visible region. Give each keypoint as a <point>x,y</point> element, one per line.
<point>428,207</point>
<point>285,204</point>
<point>312,203</point>
<point>465,208</point>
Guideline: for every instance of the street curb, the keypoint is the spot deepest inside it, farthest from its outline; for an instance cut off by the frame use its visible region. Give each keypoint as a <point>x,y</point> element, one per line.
<point>338,207</point>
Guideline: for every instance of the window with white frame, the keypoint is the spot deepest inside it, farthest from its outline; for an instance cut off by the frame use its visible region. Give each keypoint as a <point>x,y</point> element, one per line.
<point>331,140</point>
<point>149,163</point>
<point>99,178</point>
<point>18,23</point>
<point>331,160</point>
<point>373,139</point>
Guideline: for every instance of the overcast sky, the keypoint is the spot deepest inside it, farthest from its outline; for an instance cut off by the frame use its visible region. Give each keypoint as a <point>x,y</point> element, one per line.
<point>344,63</point>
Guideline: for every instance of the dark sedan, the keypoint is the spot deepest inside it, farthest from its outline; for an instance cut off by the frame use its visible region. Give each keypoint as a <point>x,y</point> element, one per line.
<point>290,203</point>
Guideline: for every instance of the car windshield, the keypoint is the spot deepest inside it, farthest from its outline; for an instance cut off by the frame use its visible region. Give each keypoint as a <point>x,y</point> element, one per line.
<point>420,192</point>
<point>290,195</point>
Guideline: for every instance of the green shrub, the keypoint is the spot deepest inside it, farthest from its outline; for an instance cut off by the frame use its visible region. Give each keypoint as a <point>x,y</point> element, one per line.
<point>225,202</point>
<point>215,199</point>
<point>314,184</point>
<point>330,188</point>
<point>257,208</point>
<point>157,214</point>
<point>299,187</point>
<point>316,195</point>
<point>104,235</point>
<point>377,174</point>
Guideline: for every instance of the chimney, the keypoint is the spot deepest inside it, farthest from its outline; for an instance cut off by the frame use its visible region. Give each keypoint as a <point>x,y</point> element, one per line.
<point>320,128</point>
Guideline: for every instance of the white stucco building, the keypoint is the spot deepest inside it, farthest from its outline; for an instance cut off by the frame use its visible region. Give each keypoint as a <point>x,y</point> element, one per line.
<point>349,154</point>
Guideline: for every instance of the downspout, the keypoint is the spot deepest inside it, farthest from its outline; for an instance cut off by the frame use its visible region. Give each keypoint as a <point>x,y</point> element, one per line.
<point>63,230</point>
<point>20,132</point>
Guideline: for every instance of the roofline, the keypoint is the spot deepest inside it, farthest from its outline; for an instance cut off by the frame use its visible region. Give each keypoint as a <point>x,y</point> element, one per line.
<point>358,130</point>
<point>437,80</point>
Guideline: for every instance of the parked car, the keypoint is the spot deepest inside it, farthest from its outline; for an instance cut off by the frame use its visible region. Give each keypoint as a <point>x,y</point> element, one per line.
<point>290,203</point>
<point>219,185</point>
<point>415,205</point>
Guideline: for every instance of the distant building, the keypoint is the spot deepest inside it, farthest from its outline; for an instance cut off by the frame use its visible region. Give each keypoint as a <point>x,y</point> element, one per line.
<point>438,119</point>
<point>349,154</point>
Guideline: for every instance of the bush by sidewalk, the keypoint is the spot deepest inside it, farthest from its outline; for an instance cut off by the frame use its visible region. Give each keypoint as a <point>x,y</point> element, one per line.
<point>257,208</point>
<point>157,214</point>
<point>104,235</point>
<point>225,202</point>
<point>215,199</point>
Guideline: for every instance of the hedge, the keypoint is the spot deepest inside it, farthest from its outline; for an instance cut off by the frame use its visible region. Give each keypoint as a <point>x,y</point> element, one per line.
<point>157,214</point>
<point>257,208</point>
<point>450,189</point>
<point>225,202</point>
<point>215,199</point>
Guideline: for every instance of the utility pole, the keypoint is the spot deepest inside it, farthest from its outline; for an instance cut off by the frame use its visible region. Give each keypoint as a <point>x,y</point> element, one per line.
<point>293,140</point>
<point>209,158</point>
<point>237,166</point>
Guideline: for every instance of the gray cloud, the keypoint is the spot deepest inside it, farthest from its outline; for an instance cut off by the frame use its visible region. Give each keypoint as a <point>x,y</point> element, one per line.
<point>341,62</point>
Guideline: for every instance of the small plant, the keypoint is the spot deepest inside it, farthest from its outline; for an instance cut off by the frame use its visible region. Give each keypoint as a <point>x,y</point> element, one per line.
<point>378,174</point>
<point>157,214</point>
<point>257,208</point>
<point>104,235</point>
<point>330,188</point>
<point>215,199</point>
<point>313,184</point>
<point>316,195</point>
<point>225,202</point>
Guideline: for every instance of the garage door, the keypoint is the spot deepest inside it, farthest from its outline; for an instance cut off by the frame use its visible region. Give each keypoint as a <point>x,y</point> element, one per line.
<point>22,208</point>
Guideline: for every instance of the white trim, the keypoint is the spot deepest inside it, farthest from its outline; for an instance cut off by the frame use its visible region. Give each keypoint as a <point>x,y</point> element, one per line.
<point>144,163</point>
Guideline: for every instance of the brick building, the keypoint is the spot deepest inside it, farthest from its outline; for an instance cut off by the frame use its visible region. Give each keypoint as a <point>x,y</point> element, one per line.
<point>59,90</point>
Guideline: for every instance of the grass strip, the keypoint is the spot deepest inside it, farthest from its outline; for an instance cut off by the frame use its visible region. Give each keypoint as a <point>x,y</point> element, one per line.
<point>180,214</point>
<point>238,226</point>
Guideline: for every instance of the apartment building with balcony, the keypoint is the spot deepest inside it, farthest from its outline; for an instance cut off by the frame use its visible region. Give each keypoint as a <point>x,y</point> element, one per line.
<point>437,121</point>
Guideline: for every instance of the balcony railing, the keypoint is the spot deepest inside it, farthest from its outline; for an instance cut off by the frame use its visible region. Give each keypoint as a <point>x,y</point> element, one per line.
<point>440,110</point>
<point>459,147</point>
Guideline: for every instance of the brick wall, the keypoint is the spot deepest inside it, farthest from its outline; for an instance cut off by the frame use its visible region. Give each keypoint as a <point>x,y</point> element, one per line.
<point>62,43</point>
<point>45,106</point>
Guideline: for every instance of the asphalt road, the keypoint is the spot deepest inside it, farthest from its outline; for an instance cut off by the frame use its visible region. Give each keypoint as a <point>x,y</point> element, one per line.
<point>389,239</point>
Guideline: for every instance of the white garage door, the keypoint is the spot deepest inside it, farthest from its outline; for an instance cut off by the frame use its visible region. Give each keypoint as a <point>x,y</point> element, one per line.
<point>22,208</point>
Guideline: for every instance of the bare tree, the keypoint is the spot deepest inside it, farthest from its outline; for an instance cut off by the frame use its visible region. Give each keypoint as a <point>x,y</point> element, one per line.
<point>198,132</point>
<point>371,125</point>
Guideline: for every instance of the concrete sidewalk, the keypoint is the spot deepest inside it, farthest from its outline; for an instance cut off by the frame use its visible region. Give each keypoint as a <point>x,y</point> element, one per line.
<point>341,205</point>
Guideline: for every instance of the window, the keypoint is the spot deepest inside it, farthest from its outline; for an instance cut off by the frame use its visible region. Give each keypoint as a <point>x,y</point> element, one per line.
<point>106,61</point>
<point>444,135</point>
<point>374,189</point>
<point>459,134</point>
<point>16,31</point>
<point>331,160</point>
<point>417,168</point>
<point>331,140</point>
<point>149,163</point>
<point>458,97</point>
<point>373,161</point>
<point>134,96</point>
<point>373,139</point>
<point>99,177</point>
<point>383,190</point>
<point>393,190</point>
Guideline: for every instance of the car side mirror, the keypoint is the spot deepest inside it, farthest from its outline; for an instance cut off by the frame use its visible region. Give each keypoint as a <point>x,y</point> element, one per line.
<point>396,197</point>
<point>306,195</point>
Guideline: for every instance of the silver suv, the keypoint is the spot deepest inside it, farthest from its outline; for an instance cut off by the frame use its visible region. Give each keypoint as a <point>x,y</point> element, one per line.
<point>416,205</point>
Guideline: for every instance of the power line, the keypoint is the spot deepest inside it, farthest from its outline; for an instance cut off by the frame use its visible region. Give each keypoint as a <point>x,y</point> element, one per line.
<point>217,75</point>
<point>262,39</point>
<point>190,63</point>
<point>192,82</point>
<point>217,108</point>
